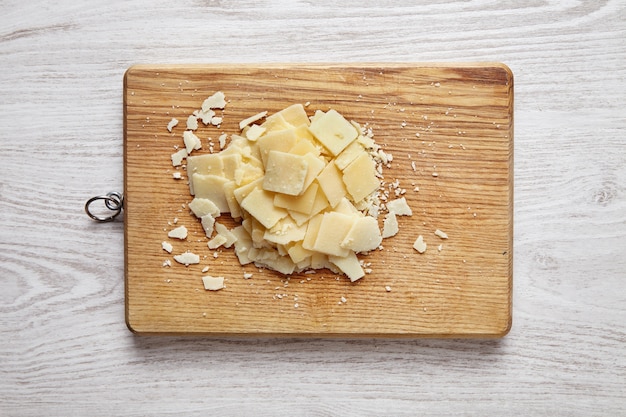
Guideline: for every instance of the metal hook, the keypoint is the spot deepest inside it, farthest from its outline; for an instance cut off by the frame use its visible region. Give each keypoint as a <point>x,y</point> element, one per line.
<point>113,201</point>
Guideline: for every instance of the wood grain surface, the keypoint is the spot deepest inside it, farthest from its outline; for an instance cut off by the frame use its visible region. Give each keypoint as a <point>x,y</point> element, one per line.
<point>65,349</point>
<point>461,163</point>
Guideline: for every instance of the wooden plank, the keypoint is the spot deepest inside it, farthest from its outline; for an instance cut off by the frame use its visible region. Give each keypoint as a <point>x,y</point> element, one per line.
<point>463,114</point>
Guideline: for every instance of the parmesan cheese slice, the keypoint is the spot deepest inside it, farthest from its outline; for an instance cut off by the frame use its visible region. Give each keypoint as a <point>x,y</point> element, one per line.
<point>187,258</point>
<point>178,233</point>
<point>213,283</point>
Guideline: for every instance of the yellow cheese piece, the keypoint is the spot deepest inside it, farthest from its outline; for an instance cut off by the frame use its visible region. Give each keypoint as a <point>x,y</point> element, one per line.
<point>333,131</point>
<point>203,164</point>
<point>315,166</point>
<point>301,203</point>
<point>319,204</point>
<point>332,232</point>
<point>360,177</point>
<point>230,164</point>
<point>304,146</point>
<point>254,132</point>
<point>260,204</point>
<point>242,192</point>
<point>281,140</point>
<point>211,187</point>
<point>331,183</point>
<point>295,115</point>
<point>233,205</point>
<point>349,265</point>
<point>203,206</point>
<point>212,283</point>
<point>298,254</point>
<point>363,236</point>
<point>228,235</point>
<point>312,230</point>
<point>354,150</point>
<point>285,173</point>
<point>285,231</point>
<point>192,142</point>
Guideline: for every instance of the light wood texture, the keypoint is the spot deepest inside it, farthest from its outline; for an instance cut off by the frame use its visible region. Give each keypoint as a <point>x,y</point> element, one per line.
<point>65,349</point>
<point>461,163</point>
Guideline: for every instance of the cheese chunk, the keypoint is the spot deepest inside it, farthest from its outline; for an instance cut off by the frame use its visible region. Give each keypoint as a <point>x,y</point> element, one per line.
<point>360,177</point>
<point>260,204</point>
<point>333,131</point>
<point>192,122</point>
<point>285,173</point>
<point>213,283</point>
<point>282,140</point>
<point>363,236</point>
<point>284,232</point>
<point>167,247</point>
<point>205,165</point>
<point>295,115</point>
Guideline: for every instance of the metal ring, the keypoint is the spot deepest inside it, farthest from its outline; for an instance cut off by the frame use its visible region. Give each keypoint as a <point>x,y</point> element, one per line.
<point>113,201</point>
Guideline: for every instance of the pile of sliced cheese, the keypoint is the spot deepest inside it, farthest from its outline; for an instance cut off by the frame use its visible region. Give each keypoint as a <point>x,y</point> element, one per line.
<point>305,191</point>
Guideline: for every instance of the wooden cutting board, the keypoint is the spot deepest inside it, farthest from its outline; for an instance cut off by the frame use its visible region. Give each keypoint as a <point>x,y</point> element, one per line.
<point>449,128</point>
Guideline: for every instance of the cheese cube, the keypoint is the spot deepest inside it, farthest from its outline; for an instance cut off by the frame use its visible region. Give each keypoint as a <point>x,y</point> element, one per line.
<point>332,232</point>
<point>260,204</point>
<point>363,236</point>
<point>360,177</point>
<point>285,173</point>
<point>333,131</point>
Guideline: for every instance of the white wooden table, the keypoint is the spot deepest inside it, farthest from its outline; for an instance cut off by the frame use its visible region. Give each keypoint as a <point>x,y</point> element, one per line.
<point>65,349</point>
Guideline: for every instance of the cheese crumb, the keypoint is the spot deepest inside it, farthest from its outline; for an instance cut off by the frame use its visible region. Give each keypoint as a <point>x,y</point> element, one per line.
<point>167,247</point>
<point>177,176</point>
<point>441,234</point>
<point>205,269</point>
<point>387,288</point>
<point>247,275</point>
<point>173,123</point>
<point>419,244</point>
